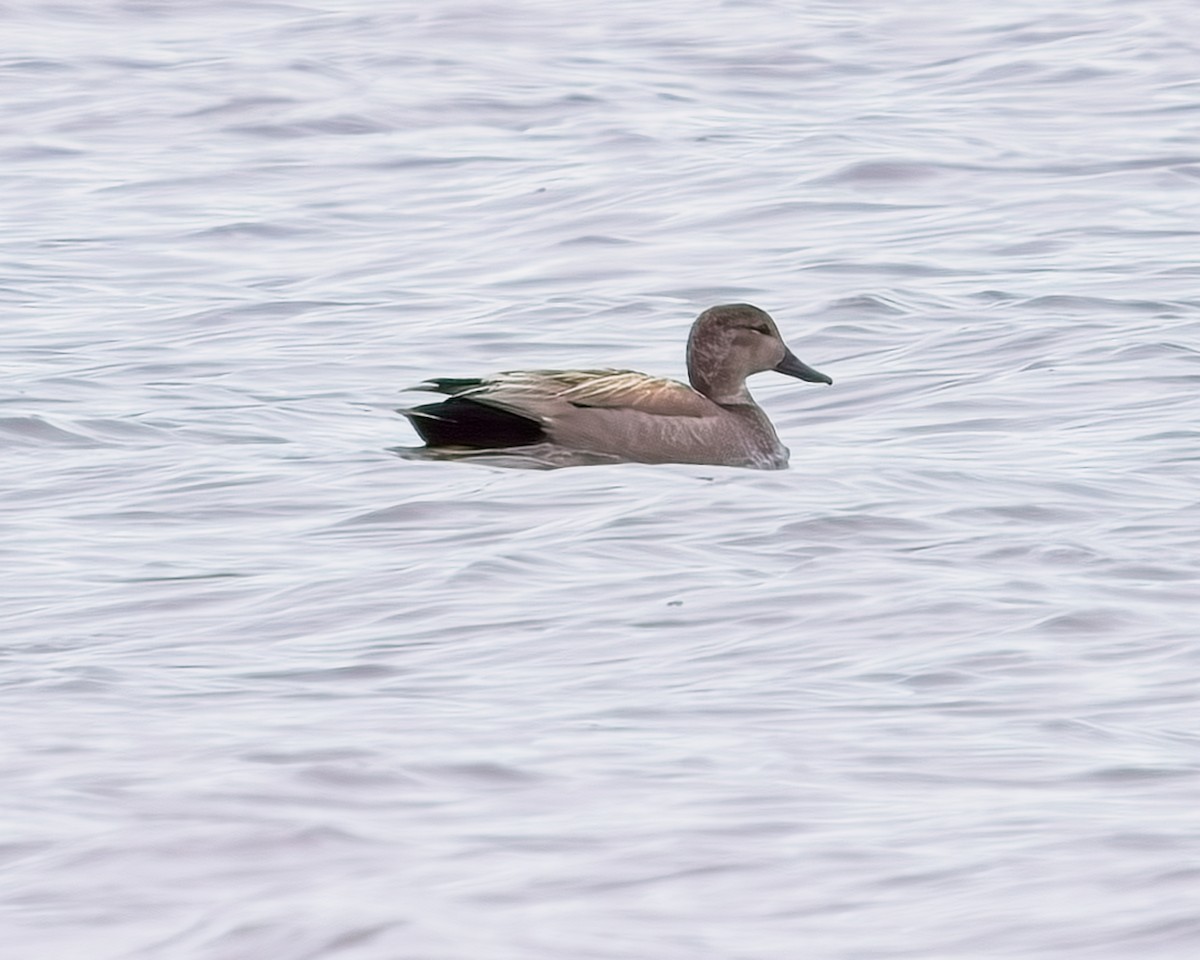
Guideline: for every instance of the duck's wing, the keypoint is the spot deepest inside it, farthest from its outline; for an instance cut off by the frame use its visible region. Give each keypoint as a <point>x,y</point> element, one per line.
<point>615,413</point>
<point>547,393</point>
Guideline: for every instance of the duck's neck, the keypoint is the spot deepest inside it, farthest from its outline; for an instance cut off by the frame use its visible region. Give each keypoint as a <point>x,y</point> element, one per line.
<point>728,391</point>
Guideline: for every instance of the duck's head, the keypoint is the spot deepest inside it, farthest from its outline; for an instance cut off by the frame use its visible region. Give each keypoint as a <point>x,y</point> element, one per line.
<point>730,342</point>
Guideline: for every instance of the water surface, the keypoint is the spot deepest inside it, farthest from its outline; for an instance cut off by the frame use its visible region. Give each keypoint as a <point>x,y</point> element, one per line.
<point>272,691</point>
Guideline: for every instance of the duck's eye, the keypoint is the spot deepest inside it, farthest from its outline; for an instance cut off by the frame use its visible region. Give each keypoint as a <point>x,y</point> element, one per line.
<point>764,330</point>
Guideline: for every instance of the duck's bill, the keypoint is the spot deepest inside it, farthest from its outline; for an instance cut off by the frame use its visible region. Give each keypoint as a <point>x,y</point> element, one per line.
<point>793,366</point>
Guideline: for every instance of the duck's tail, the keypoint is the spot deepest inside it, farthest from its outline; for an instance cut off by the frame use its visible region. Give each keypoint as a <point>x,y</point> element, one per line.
<point>459,422</point>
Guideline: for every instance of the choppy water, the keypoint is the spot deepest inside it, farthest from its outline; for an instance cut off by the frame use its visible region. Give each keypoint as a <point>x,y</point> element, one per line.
<point>271,691</point>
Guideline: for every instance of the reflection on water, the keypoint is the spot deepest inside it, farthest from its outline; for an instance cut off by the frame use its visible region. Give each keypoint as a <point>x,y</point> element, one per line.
<point>277,686</point>
<point>535,456</point>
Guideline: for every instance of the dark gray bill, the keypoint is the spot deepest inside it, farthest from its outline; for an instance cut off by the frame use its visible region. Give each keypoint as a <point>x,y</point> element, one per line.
<point>794,367</point>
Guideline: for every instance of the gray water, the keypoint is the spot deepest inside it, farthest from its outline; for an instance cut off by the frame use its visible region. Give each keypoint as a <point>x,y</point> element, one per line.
<point>272,691</point>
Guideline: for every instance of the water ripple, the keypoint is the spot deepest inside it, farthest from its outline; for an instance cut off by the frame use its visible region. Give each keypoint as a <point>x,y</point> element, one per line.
<point>279,684</point>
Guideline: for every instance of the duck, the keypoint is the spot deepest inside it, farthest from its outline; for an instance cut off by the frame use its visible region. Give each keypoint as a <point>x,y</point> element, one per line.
<point>625,415</point>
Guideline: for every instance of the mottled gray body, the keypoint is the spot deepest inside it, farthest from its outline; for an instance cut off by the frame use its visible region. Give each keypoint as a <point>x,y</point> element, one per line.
<point>629,415</point>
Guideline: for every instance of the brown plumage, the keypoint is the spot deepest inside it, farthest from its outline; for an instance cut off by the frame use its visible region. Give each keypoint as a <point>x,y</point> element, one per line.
<point>627,415</point>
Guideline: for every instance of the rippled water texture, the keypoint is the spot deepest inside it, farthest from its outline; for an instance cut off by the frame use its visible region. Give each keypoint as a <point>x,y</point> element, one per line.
<point>271,691</point>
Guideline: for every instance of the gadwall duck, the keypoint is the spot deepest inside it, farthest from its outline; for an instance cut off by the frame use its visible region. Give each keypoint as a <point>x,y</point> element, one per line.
<point>623,415</point>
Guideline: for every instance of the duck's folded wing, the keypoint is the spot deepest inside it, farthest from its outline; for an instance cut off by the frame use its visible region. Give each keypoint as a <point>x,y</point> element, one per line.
<point>545,393</point>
